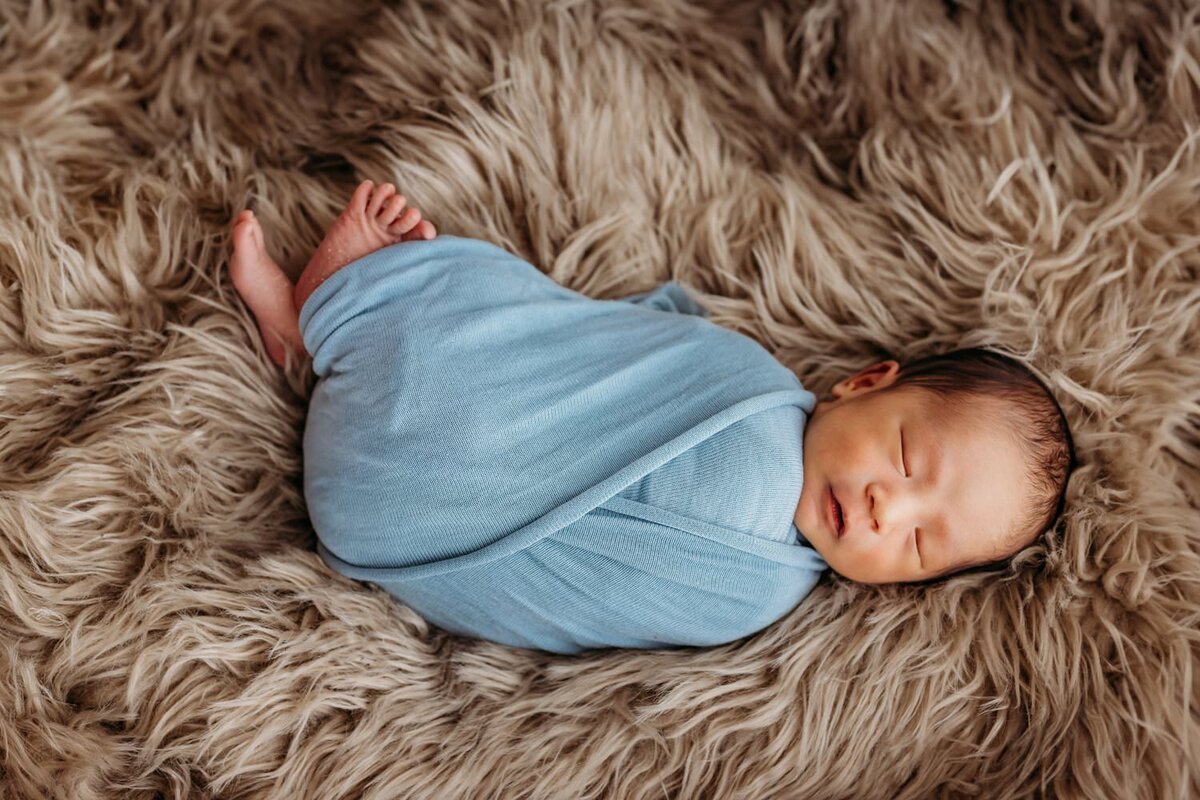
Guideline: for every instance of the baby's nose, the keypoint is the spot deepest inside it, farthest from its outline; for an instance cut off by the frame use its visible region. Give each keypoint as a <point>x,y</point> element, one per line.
<point>887,514</point>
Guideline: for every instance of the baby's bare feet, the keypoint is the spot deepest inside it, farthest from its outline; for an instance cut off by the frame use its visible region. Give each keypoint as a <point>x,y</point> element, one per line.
<point>265,288</point>
<point>373,219</point>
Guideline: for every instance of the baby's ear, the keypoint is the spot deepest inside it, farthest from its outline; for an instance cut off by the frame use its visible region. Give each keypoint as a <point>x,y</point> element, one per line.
<point>879,375</point>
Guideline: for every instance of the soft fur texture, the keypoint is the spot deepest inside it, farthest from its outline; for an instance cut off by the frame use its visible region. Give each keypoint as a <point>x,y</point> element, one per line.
<point>845,181</point>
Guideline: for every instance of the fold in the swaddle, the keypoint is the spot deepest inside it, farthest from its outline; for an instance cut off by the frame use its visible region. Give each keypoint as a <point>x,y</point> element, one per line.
<point>522,463</point>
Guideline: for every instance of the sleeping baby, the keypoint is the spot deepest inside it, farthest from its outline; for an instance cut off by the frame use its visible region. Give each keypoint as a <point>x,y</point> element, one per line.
<point>521,463</point>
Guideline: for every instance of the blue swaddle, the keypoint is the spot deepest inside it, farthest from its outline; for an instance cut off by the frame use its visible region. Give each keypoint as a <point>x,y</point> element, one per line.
<point>522,463</point>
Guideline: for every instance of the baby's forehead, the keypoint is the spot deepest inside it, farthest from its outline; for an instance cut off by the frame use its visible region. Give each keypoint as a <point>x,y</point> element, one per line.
<point>981,430</point>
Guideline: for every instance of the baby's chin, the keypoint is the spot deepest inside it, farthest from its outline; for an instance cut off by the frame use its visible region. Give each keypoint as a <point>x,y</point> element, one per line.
<point>808,517</point>
<point>828,550</point>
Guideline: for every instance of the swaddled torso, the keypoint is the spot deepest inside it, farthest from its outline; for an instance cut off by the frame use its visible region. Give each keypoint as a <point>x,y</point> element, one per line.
<point>522,463</point>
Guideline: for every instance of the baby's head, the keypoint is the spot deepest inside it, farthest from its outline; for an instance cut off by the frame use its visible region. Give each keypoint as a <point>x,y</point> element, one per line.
<point>954,462</point>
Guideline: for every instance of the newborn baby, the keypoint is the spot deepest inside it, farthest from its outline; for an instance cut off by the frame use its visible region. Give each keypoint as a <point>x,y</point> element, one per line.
<point>522,463</point>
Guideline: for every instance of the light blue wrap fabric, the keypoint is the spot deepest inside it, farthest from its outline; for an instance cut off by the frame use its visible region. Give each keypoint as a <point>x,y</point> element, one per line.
<point>521,463</point>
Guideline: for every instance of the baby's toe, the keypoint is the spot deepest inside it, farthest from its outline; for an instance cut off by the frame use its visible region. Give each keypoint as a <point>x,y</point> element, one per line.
<point>248,237</point>
<point>422,232</point>
<point>358,201</point>
<point>378,198</point>
<point>391,209</point>
<point>244,244</point>
<point>407,221</point>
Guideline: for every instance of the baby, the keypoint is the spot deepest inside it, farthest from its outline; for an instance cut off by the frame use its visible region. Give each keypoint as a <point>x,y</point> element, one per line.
<point>522,463</point>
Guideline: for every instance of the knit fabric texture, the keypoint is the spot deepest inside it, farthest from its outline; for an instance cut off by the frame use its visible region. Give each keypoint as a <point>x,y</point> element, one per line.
<point>519,462</point>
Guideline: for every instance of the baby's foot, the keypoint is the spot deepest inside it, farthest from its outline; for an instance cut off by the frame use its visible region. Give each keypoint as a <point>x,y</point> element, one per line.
<point>370,221</point>
<point>265,288</point>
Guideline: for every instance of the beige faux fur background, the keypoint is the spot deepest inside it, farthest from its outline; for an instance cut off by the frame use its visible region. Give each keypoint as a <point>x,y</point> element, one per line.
<point>846,181</point>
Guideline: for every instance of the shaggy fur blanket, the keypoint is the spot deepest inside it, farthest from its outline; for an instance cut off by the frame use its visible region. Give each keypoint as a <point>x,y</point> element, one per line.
<point>844,181</point>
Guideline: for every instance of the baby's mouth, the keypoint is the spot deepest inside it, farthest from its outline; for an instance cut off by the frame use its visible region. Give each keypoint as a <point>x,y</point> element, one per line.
<point>838,516</point>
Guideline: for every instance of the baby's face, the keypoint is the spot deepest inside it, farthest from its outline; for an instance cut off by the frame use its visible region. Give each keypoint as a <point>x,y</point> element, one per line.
<point>947,501</point>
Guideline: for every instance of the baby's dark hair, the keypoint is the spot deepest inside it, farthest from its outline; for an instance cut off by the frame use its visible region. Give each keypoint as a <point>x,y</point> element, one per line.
<point>1034,416</point>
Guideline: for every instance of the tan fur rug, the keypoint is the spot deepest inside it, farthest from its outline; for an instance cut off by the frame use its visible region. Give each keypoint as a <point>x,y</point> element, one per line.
<point>847,181</point>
